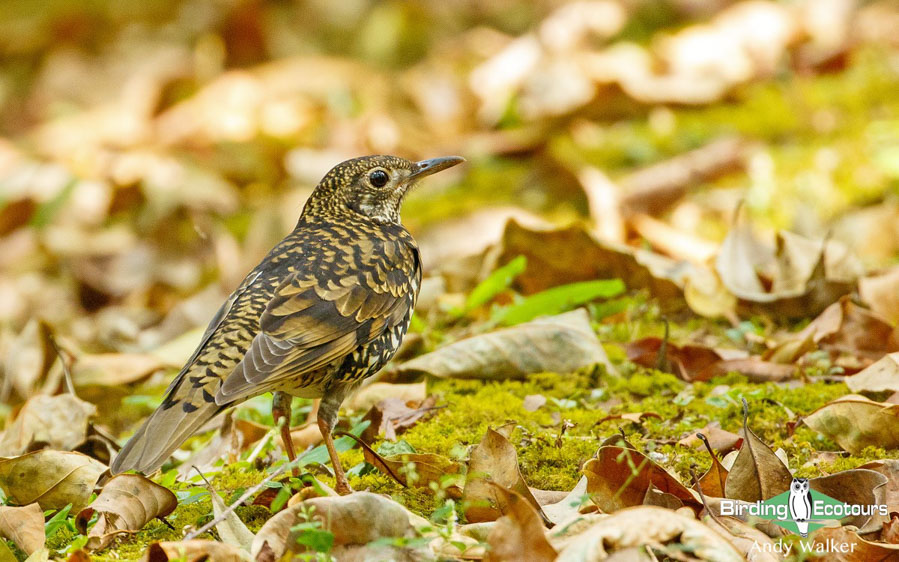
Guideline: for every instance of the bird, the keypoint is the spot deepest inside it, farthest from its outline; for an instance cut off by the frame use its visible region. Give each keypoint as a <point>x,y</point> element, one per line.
<point>800,504</point>
<point>325,309</point>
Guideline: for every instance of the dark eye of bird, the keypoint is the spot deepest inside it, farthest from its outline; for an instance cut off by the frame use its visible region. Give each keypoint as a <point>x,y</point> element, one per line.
<point>378,178</point>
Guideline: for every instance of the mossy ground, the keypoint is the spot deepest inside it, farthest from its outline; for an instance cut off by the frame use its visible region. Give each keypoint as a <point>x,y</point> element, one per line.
<point>788,114</point>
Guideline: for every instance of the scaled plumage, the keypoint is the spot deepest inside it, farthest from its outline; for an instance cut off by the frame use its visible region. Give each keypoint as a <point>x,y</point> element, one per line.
<point>326,308</point>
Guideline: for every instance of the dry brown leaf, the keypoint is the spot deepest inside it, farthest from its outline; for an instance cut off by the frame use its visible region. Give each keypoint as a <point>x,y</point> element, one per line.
<point>24,526</point>
<point>566,255</point>
<point>419,470</point>
<point>856,486</point>
<point>890,531</point>
<point>855,422</point>
<point>371,394</point>
<point>126,503</point>
<point>558,344</point>
<point>28,358</point>
<point>533,402</point>
<point>755,545</point>
<point>197,550</point>
<point>613,484</point>
<point>647,525</point>
<point>518,536</point>
<point>231,529</point>
<point>794,279</point>
<point>890,469</point>
<point>720,440</point>
<point>233,438</point>
<point>757,473</point>
<point>846,327</point>
<point>860,550</point>
<point>113,369</point>
<point>880,292</point>
<point>356,519</point>
<point>56,422</point>
<point>880,376</point>
<point>53,479</point>
<point>495,461</point>
<point>688,362</point>
<point>712,483</point>
<point>395,415</point>
<point>656,188</point>
<point>570,505</point>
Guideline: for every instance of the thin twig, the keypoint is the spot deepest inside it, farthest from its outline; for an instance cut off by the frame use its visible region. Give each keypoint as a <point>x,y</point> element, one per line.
<point>67,374</point>
<point>246,495</point>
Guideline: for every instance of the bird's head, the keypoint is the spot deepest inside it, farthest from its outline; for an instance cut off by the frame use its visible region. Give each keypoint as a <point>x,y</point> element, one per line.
<point>372,186</point>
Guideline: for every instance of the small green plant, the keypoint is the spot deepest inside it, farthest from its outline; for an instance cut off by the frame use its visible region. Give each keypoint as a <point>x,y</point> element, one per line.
<point>313,536</point>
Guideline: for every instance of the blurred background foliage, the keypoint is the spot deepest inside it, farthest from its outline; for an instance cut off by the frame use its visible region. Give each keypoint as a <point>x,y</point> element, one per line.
<point>152,151</point>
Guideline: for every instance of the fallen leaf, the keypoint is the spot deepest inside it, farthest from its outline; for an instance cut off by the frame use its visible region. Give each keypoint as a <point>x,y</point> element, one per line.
<point>371,394</point>
<point>356,519</point>
<point>757,473</point>
<point>231,529</point>
<point>233,438</point>
<point>559,344</point>
<point>126,503</point>
<point>24,526</point>
<point>688,362</point>
<point>395,415</point>
<point>197,550</point>
<point>53,479</point>
<point>29,358</point>
<point>880,291</point>
<point>419,470</point>
<point>859,549</point>
<point>855,487</point>
<point>647,525</point>
<point>620,477</point>
<point>846,327</point>
<point>752,543</point>
<point>569,505</point>
<point>493,461</point>
<point>720,440</point>
<point>890,469</point>
<point>519,534</point>
<point>55,422</point>
<point>567,255</point>
<point>113,369</point>
<point>795,278</point>
<point>713,482</point>
<point>855,422</point>
<point>881,376</point>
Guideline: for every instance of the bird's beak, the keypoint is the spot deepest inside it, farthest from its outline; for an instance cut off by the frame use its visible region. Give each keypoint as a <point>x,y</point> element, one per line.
<point>432,166</point>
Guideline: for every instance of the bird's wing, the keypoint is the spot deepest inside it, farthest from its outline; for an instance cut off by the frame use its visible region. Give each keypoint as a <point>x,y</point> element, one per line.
<point>317,317</point>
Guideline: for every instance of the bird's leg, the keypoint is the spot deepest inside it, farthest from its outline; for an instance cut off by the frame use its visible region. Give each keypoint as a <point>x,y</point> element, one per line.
<point>281,413</point>
<point>313,412</point>
<point>327,419</point>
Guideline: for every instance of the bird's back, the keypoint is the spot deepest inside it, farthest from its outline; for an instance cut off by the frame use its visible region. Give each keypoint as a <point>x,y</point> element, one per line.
<point>331,300</point>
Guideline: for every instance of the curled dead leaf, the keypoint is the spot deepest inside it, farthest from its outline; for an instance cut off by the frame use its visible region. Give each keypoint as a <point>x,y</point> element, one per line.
<point>493,461</point>
<point>620,477</point>
<point>757,473</point>
<point>57,422</point>
<point>53,479</point>
<point>419,470</point>
<point>126,503</point>
<point>519,534</point>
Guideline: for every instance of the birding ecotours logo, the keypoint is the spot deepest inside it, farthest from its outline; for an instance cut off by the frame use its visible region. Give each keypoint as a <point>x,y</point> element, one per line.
<point>801,509</point>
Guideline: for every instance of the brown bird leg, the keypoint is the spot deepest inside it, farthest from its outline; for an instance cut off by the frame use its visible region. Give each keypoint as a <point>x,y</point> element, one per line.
<point>281,413</point>
<point>313,412</point>
<point>327,419</point>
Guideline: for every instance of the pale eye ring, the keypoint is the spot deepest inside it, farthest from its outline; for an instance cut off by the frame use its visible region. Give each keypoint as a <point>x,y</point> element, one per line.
<point>378,178</point>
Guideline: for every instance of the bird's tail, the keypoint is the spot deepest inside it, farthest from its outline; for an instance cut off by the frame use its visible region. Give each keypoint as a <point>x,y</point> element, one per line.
<point>163,432</point>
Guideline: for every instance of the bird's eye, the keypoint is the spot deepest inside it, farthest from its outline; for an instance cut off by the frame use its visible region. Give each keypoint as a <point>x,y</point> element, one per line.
<point>378,178</point>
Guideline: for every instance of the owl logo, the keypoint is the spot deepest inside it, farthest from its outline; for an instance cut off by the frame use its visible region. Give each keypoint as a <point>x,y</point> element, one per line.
<point>800,503</point>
